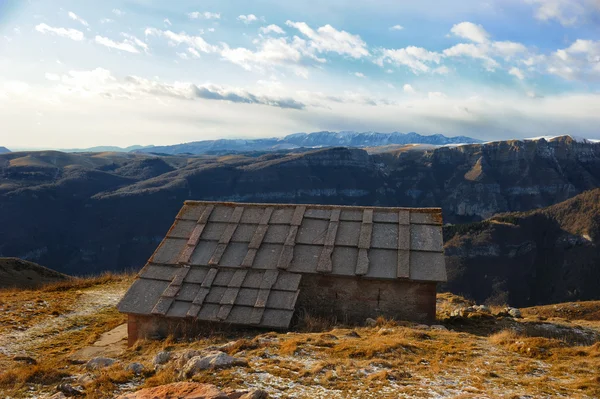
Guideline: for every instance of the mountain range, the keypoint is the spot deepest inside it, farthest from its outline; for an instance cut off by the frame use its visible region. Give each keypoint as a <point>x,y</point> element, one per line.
<point>86,213</point>
<point>306,140</point>
<point>4,150</point>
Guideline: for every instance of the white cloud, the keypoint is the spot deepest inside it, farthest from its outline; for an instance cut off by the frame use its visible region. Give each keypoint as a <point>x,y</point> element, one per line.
<point>183,56</point>
<point>52,77</point>
<point>359,75</point>
<point>443,70</point>
<point>470,31</point>
<point>508,49</point>
<point>566,12</point>
<point>271,29</point>
<point>248,19</point>
<point>581,60</point>
<point>77,18</point>
<point>472,51</point>
<point>175,39</point>
<point>167,22</point>
<point>72,34</point>
<point>397,27</point>
<point>517,73</point>
<point>408,89</point>
<point>193,52</point>
<point>118,12</point>
<point>106,21</point>
<point>204,15</point>
<point>328,39</point>
<point>415,58</point>
<point>129,45</point>
<point>436,95</point>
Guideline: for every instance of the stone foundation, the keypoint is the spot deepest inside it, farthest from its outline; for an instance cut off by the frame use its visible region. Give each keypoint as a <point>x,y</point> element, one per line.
<point>350,300</point>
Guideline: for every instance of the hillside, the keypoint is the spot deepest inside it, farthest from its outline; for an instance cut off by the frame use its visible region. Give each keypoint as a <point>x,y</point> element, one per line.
<point>4,150</point>
<point>306,140</point>
<point>542,256</point>
<point>17,273</point>
<point>85,213</point>
<point>49,338</point>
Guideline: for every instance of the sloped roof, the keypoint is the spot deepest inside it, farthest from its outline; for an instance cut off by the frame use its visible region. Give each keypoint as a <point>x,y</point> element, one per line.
<point>242,263</point>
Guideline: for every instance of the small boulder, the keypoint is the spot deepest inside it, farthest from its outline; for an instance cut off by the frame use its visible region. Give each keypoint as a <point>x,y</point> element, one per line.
<point>255,394</point>
<point>215,360</point>
<point>369,322</point>
<point>421,327</point>
<point>162,358</point>
<point>69,390</point>
<point>98,363</point>
<point>514,312</point>
<point>483,309</point>
<point>439,327</point>
<point>184,357</point>
<point>352,334</point>
<point>136,368</point>
<point>179,390</point>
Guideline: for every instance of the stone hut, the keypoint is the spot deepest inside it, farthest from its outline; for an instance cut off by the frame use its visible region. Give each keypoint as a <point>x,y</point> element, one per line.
<point>259,265</point>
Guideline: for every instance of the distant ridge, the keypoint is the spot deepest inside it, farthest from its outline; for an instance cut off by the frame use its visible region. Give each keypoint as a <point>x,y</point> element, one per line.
<point>4,150</point>
<point>19,273</point>
<point>106,148</point>
<point>308,140</point>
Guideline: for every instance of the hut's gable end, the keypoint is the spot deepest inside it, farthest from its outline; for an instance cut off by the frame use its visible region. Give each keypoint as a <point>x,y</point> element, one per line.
<point>243,263</point>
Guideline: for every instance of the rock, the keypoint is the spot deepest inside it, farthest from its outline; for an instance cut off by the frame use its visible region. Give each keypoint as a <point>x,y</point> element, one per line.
<point>68,390</point>
<point>162,358</point>
<point>178,390</point>
<point>352,334</point>
<point>85,379</point>
<point>514,312</point>
<point>439,327</point>
<point>215,360</point>
<point>483,309</point>
<point>98,363</point>
<point>183,358</point>
<point>256,394</point>
<point>135,368</point>
<point>369,322</point>
<point>26,359</point>
<point>421,327</point>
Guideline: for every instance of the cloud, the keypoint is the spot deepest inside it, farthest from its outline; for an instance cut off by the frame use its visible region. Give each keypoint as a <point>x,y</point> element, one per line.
<point>175,39</point>
<point>397,27</point>
<point>359,75</point>
<point>52,77</point>
<point>436,95</point>
<point>472,51</point>
<point>167,22</point>
<point>581,60</point>
<point>131,44</point>
<point>443,70</point>
<point>118,12</point>
<point>271,29</point>
<point>193,52</point>
<point>274,52</point>
<point>517,73</point>
<point>415,58</point>
<point>77,18</point>
<point>204,15</point>
<point>72,34</point>
<point>408,89</point>
<point>106,21</point>
<point>328,39</point>
<point>566,12</point>
<point>470,31</point>
<point>247,19</point>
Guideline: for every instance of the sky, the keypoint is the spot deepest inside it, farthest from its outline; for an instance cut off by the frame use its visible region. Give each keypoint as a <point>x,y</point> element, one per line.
<point>76,74</point>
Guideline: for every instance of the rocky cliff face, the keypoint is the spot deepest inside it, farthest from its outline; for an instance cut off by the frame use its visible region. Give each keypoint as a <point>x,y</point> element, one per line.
<point>83,213</point>
<point>543,256</point>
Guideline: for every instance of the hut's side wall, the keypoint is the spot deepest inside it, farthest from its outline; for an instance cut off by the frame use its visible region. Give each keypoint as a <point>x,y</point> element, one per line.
<point>352,300</point>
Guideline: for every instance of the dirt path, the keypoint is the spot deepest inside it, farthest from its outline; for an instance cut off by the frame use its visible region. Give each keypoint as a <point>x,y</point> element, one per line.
<point>92,300</point>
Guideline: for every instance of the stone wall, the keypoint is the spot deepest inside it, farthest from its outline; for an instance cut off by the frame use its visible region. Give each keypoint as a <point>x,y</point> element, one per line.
<point>352,300</point>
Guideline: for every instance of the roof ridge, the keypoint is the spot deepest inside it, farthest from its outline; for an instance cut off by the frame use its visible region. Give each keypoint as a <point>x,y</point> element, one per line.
<point>314,206</point>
